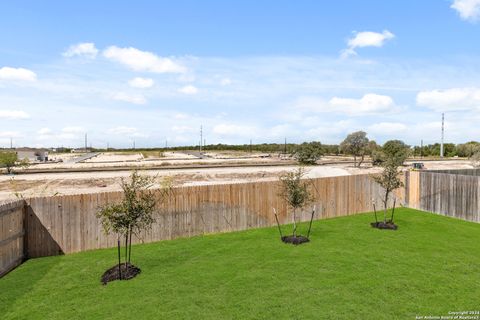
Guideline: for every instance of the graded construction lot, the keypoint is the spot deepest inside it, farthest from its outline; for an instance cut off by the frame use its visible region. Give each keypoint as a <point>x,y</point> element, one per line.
<point>428,267</point>
<point>103,172</point>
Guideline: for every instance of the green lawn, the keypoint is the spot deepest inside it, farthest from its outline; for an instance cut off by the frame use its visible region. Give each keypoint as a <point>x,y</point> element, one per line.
<point>430,266</point>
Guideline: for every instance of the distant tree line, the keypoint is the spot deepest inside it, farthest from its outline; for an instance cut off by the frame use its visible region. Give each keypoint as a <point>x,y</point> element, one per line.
<point>355,144</point>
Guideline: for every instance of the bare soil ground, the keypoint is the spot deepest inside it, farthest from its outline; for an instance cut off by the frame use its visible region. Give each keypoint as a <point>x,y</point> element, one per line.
<point>48,184</point>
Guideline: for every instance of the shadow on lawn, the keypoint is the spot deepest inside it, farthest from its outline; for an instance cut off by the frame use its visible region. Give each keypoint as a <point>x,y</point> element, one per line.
<point>12,290</point>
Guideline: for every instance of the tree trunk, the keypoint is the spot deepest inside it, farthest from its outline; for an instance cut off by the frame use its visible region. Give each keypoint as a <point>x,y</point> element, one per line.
<point>294,224</point>
<point>354,160</point>
<point>385,204</point>
<point>361,161</point>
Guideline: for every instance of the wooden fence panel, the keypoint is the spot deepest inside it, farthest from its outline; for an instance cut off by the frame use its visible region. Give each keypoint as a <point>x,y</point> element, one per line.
<point>11,235</point>
<point>453,193</point>
<point>65,224</point>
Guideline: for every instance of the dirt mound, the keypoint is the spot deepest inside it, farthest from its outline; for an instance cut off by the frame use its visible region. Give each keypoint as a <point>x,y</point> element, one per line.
<point>295,240</point>
<point>384,225</point>
<point>128,272</point>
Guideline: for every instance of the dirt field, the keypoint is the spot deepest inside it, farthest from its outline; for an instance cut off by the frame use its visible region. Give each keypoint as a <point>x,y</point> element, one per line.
<point>51,183</point>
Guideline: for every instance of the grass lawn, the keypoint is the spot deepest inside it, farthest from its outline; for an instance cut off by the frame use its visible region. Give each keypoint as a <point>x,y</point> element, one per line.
<point>430,266</point>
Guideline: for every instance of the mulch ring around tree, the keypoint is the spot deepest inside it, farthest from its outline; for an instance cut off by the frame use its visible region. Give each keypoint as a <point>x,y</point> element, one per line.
<point>389,225</point>
<point>128,272</point>
<point>295,240</point>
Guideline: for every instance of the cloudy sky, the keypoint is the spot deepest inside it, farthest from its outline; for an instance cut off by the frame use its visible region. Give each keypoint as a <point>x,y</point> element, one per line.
<point>153,71</point>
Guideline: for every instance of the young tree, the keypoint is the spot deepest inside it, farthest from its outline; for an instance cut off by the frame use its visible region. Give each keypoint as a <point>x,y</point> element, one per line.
<point>8,159</point>
<point>395,151</point>
<point>390,181</point>
<point>296,192</point>
<point>133,214</point>
<point>356,144</point>
<point>475,159</point>
<point>308,152</point>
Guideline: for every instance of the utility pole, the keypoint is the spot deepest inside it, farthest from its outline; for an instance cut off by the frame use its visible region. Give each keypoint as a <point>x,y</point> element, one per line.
<point>108,146</point>
<point>443,133</point>
<point>201,137</point>
<point>85,142</point>
<point>133,144</point>
<point>285,146</point>
<point>11,143</point>
<point>166,144</point>
<point>421,149</point>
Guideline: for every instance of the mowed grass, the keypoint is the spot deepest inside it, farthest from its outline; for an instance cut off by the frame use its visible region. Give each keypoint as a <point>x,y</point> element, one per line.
<point>430,266</point>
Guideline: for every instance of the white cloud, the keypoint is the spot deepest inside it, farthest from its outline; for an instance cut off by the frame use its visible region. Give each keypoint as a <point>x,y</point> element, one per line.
<point>387,128</point>
<point>17,74</point>
<point>370,103</point>
<point>234,130</point>
<point>188,90</point>
<point>139,82</point>
<point>183,129</point>
<point>10,134</point>
<point>467,9</point>
<point>131,98</point>
<point>74,129</point>
<point>13,114</point>
<point>86,49</point>
<point>138,60</point>
<point>454,99</point>
<point>225,81</point>
<point>45,131</point>
<point>366,39</point>
<point>129,131</point>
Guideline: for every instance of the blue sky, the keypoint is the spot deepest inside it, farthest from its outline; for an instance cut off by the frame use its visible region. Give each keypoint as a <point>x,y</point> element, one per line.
<point>152,71</point>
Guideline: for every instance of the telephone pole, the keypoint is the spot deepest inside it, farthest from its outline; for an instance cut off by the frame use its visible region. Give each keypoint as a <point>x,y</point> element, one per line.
<point>11,143</point>
<point>201,137</point>
<point>421,149</point>
<point>86,146</point>
<point>443,134</point>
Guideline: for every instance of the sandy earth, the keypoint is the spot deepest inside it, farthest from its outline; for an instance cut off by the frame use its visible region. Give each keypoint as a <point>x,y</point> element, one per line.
<point>137,159</point>
<point>47,184</point>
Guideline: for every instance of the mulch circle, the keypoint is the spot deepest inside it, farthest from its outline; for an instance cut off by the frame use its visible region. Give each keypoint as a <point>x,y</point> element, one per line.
<point>295,240</point>
<point>128,272</point>
<point>386,226</point>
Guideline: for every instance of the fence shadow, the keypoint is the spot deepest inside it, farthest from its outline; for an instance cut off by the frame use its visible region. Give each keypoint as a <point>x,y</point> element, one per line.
<point>38,240</point>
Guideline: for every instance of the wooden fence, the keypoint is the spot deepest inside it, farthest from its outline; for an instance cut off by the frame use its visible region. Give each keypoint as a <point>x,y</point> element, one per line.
<point>455,195</point>
<point>65,224</point>
<point>11,235</point>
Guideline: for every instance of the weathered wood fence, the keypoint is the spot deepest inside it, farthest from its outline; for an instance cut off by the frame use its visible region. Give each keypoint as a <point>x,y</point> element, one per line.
<point>11,235</point>
<point>65,224</point>
<point>454,193</point>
